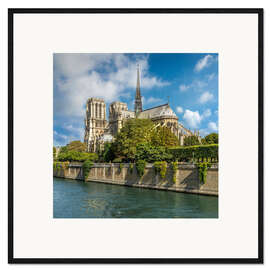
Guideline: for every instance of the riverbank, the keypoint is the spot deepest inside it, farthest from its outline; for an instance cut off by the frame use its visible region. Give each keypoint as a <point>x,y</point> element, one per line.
<point>186,177</point>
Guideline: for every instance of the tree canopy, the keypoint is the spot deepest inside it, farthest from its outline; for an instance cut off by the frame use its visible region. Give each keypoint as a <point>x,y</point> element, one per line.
<point>76,146</point>
<point>141,131</point>
<point>191,140</point>
<point>164,137</point>
<point>212,138</point>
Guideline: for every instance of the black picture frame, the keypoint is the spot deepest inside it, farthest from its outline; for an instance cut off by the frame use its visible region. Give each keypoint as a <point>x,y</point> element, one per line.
<point>13,260</point>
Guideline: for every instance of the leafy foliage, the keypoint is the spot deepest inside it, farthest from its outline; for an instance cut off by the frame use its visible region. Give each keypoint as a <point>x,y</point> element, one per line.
<point>191,140</point>
<point>87,165</point>
<point>174,168</point>
<point>60,165</point>
<point>198,152</point>
<point>63,149</point>
<point>134,131</point>
<point>54,153</point>
<point>150,153</point>
<point>117,160</point>
<point>203,168</point>
<point>161,168</point>
<point>131,168</point>
<point>164,137</point>
<point>107,154</point>
<point>77,156</point>
<point>210,139</point>
<point>140,166</point>
<point>121,167</point>
<point>76,146</point>
<point>141,131</point>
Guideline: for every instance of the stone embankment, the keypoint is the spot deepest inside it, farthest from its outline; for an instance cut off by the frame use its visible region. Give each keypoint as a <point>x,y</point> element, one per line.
<point>185,180</point>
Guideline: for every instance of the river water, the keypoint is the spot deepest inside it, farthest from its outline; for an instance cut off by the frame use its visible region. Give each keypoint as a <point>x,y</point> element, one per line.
<point>78,199</point>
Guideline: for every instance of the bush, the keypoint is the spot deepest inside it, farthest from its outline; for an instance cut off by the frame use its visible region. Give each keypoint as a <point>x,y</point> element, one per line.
<point>198,152</point>
<point>77,156</point>
<point>140,166</point>
<point>161,168</point>
<point>87,165</point>
<point>150,153</point>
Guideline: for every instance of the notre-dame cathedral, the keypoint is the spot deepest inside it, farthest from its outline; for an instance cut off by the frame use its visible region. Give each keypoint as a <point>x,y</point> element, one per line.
<point>99,130</point>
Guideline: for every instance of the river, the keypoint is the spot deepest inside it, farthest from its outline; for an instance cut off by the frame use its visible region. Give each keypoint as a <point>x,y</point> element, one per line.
<point>79,199</point>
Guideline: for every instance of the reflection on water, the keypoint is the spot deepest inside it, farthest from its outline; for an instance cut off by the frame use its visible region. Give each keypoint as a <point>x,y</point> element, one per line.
<point>77,199</point>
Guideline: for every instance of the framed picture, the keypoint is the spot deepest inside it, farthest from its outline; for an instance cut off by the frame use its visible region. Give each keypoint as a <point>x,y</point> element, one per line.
<point>135,135</point>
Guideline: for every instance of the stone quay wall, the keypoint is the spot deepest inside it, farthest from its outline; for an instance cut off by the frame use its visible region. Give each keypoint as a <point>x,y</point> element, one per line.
<point>187,177</point>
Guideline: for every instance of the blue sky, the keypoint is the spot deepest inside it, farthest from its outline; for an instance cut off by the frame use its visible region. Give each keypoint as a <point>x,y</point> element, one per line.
<point>189,81</point>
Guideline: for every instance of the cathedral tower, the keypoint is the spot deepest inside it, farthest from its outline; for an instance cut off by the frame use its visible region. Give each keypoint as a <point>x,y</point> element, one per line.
<point>138,98</point>
<point>95,122</point>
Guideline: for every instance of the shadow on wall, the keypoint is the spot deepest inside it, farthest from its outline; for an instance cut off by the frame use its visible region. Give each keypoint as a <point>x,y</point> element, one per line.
<point>189,179</point>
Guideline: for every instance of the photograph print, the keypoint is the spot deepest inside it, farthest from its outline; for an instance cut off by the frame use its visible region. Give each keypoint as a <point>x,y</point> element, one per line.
<point>135,135</point>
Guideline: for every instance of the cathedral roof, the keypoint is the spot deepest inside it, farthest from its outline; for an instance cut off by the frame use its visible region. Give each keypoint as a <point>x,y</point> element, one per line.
<point>162,110</point>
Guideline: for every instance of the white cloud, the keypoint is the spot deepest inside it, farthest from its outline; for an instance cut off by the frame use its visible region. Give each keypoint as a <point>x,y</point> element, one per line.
<point>179,109</point>
<point>204,132</point>
<point>207,113</point>
<point>193,119</point>
<point>80,76</point>
<point>210,77</point>
<point>77,131</point>
<point>203,62</point>
<point>205,97</point>
<point>196,85</point>
<point>199,84</point>
<point>151,100</point>
<point>184,87</point>
<point>212,126</point>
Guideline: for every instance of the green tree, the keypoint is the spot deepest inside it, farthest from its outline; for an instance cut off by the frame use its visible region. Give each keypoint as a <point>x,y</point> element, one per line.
<point>164,137</point>
<point>107,154</point>
<point>63,149</point>
<point>142,131</point>
<point>191,140</point>
<point>212,138</point>
<point>77,146</point>
<point>134,131</point>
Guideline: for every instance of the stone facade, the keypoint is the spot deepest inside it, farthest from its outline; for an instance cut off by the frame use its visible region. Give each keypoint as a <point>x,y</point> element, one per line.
<point>187,178</point>
<point>98,130</point>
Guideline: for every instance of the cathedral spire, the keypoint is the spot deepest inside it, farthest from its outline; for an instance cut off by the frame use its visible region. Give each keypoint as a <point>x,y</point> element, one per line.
<point>138,98</point>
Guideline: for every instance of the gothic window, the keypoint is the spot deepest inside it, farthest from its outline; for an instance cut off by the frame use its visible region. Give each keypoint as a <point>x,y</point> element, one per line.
<point>100,110</point>
<point>96,106</point>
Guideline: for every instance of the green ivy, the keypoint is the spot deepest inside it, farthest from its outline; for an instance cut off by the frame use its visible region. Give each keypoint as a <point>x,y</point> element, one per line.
<point>203,168</point>
<point>161,168</point>
<point>131,168</point>
<point>174,168</point>
<point>140,166</point>
<point>120,167</point>
<point>87,165</point>
<point>58,165</point>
